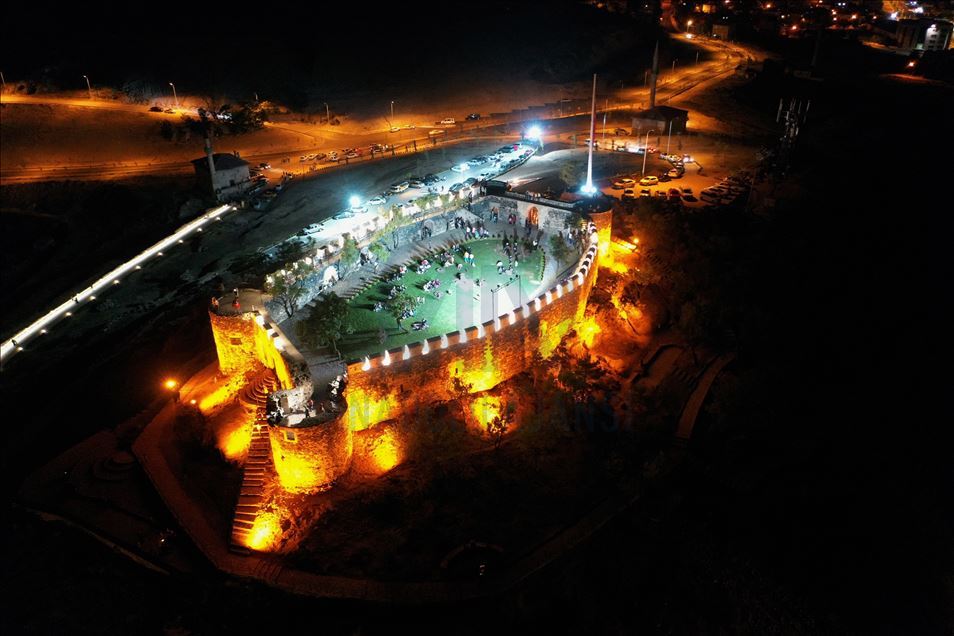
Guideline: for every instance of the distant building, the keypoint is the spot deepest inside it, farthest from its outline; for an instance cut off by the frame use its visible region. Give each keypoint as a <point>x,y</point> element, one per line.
<point>924,34</point>
<point>225,176</point>
<point>659,118</point>
<point>722,31</point>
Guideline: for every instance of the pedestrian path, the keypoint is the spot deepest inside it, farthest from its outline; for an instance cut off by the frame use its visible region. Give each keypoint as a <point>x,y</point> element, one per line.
<point>258,464</point>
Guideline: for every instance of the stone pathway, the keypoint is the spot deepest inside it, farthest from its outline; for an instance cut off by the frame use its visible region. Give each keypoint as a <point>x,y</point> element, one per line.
<point>258,464</point>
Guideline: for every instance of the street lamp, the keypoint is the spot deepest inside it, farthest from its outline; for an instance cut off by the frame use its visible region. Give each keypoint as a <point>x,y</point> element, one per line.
<point>327,114</point>
<point>355,201</point>
<point>669,141</point>
<point>689,26</point>
<point>392,112</point>
<point>89,89</point>
<point>535,132</point>
<point>646,150</point>
<point>176,97</point>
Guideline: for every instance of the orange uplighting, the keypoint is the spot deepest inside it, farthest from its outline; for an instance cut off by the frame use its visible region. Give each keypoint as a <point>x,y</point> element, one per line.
<point>485,408</point>
<point>588,330</point>
<point>170,384</point>
<point>385,451</point>
<point>296,473</point>
<point>235,442</point>
<point>266,532</point>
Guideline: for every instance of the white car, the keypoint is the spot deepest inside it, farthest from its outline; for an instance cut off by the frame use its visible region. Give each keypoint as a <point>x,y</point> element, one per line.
<point>400,187</point>
<point>378,200</point>
<point>463,167</point>
<point>649,181</point>
<point>448,121</point>
<point>624,183</point>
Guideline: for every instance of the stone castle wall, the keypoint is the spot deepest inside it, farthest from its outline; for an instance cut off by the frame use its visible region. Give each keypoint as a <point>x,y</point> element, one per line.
<point>383,386</point>
<point>309,458</point>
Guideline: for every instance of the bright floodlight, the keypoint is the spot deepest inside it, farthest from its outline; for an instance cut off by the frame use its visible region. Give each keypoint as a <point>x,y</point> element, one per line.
<point>355,201</point>
<point>534,132</point>
<point>589,189</point>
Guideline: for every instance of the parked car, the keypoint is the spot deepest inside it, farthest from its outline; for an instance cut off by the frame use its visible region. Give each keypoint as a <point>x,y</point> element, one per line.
<point>645,192</point>
<point>629,193</point>
<point>457,187</point>
<point>400,187</point>
<point>621,131</point>
<point>265,166</point>
<point>461,167</point>
<point>395,129</point>
<point>448,121</point>
<point>417,183</point>
<point>649,181</point>
<point>431,179</point>
<point>674,193</point>
<point>623,183</point>
<point>473,116</point>
<point>471,182</point>
<point>378,200</point>
<point>320,156</point>
<point>437,131</point>
<point>332,156</point>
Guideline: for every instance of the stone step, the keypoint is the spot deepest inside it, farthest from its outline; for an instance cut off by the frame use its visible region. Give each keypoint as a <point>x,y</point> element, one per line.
<point>251,490</point>
<point>250,508</point>
<point>249,500</point>
<point>245,516</point>
<point>238,523</point>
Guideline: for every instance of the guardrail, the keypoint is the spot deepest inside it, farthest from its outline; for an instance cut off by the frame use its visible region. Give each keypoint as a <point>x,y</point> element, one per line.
<point>65,309</point>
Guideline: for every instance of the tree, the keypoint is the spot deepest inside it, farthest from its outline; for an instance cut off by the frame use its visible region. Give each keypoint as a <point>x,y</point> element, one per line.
<point>497,427</point>
<point>399,306</point>
<point>460,390</point>
<point>288,285</point>
<point>349,255</point>
<point>379,251</point>
<point>559,249</point>
<point>326,323</point>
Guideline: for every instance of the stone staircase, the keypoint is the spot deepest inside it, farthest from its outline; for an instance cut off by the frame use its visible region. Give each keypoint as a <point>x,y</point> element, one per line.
<point>258,464</point>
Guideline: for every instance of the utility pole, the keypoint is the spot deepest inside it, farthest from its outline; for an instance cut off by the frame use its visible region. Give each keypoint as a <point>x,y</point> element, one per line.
<point>327,114</point>
<point>669,141</point>
<point>646,151</point>
<point>588,188</point>
<point>89,89</point>
<point>392,112</point>
<point>697,57</point>
<point>652,90</point>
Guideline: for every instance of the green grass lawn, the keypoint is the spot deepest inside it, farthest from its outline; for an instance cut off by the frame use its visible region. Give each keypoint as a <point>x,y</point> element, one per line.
<point>440,313</point>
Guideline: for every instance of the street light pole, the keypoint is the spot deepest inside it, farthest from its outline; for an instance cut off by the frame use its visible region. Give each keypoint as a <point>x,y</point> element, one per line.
<point>89,89</point>
<point>174,95</point>
<point>327,114</point>
<point>669,141</point>
<point>392,112</point>
<point>646,151</point>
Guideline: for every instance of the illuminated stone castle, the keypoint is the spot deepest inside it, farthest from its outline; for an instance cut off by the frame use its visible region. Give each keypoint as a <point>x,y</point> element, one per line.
<point>304,450</point>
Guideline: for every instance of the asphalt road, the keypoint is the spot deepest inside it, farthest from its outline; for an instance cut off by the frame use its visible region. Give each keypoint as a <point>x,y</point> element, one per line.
<point>177,278</point>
